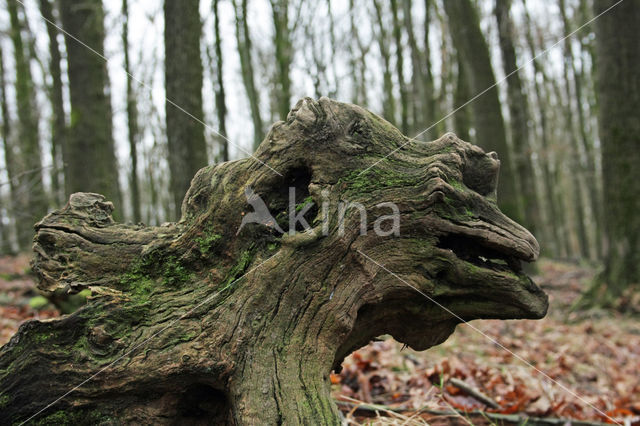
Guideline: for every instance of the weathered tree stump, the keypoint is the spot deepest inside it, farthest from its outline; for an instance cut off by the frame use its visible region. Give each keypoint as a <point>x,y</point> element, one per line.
<point>196,323</point>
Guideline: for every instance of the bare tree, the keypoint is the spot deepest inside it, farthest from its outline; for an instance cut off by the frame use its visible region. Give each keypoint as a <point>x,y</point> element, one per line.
<point>183,82</point>
<point>32,201</point>
<point>468,39</point>
<point>246,64</point>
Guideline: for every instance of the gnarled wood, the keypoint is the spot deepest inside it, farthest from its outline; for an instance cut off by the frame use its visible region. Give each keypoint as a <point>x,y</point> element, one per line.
<point>195,322</point>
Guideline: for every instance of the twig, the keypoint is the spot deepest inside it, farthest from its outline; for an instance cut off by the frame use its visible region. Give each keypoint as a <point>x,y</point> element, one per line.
<point>486,400</point>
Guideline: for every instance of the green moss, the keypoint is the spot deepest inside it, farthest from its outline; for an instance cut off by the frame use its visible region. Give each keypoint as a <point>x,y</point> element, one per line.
<point>303,204</point>
<point>68,418</point>
<point>238,269</point>
<point>367,180</point>
<point>173,272</point>
<point>4,400</point>
<point>153,271</point>
<point>457,185</point>
<point>272,246</point>
<point>206,242</point>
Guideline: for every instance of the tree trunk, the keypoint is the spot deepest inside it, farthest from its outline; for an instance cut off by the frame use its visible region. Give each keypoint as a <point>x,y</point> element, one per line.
<point>619,102</point>
<point>519,117</point>
<point>431,110</point>
<point>58,121</point>
<point>388,103</point>
<point>31,198</point>
<point>462,118</point>
<point>209,321</point>
<point>283,56</point>
<point>588,164</point>
<point>404,96</point>
<point>554,216</point>
<point>221,105</point>
<point>417,99</point>
<point>132,118</point>
<point>90,157</point>
<point>8,148</point>
<point>576,163</point>
<point>246,65</point>
<point>183,82</point>
<point>358,61</point>
<point>489,124</point>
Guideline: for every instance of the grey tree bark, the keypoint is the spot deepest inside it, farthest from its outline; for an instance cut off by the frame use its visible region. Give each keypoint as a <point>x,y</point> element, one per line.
<point>31,200</point>
<point>518,116</point>
<point>90,154</point>
<point>183,83</point>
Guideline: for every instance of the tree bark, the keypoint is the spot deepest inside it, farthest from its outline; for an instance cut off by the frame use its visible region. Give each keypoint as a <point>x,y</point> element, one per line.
<point>462,118</point>
<point>417,100</point>
<point>221,105</point>
<point>489,124</point>
<point>577,174</point>
<point>283,56</point>
<point>183,82</point>
<point>132,118</point>
<point>8,148</point>
<point>518,116</point>
<point>90,157</point>
<point>618,54</point>
<point>555,218</point>
<point>31,200</point>
<point>206,321</point>
<point>58,121</point>
<point>388,103</point>
<point>404,95</point>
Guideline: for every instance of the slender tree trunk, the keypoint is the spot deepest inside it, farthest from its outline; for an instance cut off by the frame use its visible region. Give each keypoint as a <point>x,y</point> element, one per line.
<point>417,100</point>
<point>519,117</point>
<point>577,174</point>
<point>448,57</point>
<point>358,61</point>
<point>465,30</point>
<point>132,118</point>
<point>221,105</point>
<point>246,64</point>
<point>588,164</point>
<point>389,105</point>
<point>431,111</point>
<point>58,122</point>
<point>404,96</point>
<point>91,160</point>
<point>554,215</point>
<point>31,195</point>
<point>462,118</point>
<point>333,92</point>
<point>619,102</point>
<point>283,56</point>
<point>8,149</point>
<point>183,81</point>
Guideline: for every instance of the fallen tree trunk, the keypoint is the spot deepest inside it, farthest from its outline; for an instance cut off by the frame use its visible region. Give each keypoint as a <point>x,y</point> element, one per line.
<point>217,319</point>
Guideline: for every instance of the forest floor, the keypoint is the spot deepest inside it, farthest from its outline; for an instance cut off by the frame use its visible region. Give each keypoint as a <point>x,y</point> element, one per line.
<point>584,366</point>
